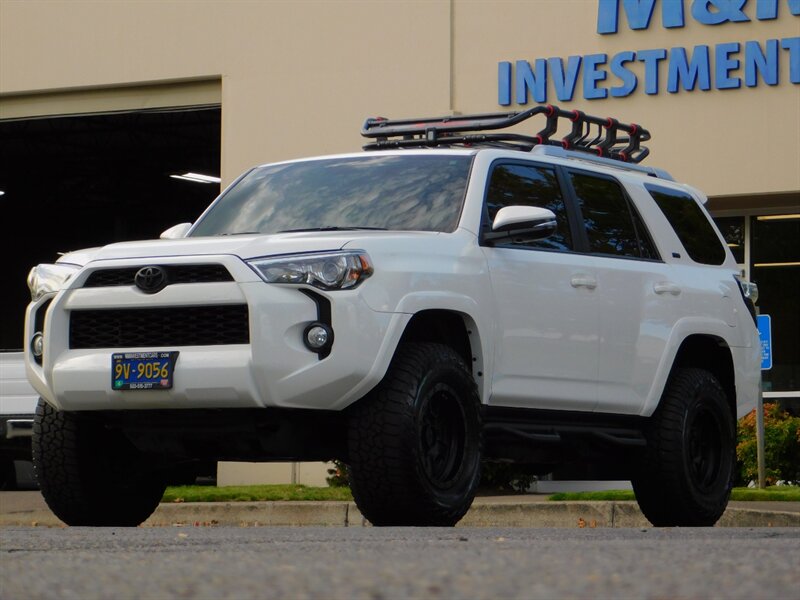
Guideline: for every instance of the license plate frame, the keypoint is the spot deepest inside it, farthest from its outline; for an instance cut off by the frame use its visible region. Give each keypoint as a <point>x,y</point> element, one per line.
<point>143,370</point>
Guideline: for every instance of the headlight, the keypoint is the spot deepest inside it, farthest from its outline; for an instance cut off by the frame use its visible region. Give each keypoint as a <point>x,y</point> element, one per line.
<point>44,279</point>
<point>325,270</point>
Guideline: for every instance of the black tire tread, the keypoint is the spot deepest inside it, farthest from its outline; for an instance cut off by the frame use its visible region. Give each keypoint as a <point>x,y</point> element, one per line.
<point>69,458</point>
<point>662,489</point>
<point>384,478</point>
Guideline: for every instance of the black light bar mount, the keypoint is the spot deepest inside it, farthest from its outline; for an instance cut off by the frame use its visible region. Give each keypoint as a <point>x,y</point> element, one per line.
<point>601,136</point>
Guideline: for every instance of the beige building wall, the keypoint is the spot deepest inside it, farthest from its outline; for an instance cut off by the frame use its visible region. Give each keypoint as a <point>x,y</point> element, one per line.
<point>244,473</point>
<point>297,78</point>
<point>726,142</point>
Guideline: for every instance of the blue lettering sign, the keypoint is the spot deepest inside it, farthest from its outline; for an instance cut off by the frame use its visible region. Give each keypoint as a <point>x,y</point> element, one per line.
<point>629,80</point>
<point>639,13</point>
<point>688,73</point>
<point>715,12</point>
<point>768,9</point>
<point>793,46</point>
<point>651,58</point>
<point>527,80</point>
<point>564,80</point>
<point>504,83</point>
<point>764,63</point>
<point>592,75</point>
<point>724,65</point>
<point>765,337</point>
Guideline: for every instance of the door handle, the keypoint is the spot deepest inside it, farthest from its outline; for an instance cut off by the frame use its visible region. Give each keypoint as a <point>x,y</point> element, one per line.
<point>666,287</point>
<point>583,281</point>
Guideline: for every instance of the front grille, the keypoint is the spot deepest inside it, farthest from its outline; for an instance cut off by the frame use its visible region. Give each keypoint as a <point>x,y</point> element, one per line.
<point>151,327</point>
<point>175,274</point>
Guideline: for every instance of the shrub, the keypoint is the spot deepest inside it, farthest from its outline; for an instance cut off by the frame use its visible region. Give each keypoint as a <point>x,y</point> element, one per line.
<point>338,475</point>
<point>781,446</point>
<point>505,477</point>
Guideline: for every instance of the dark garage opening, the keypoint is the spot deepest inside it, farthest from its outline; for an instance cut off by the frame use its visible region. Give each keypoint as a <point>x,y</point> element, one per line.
<point>75,182</point>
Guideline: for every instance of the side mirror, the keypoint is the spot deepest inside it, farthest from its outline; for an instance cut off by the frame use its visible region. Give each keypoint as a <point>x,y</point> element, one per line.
<point>177,231</point>
<point>521,224</point>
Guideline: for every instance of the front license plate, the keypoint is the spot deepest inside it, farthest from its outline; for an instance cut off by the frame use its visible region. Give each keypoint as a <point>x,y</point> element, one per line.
<point>143,370</point>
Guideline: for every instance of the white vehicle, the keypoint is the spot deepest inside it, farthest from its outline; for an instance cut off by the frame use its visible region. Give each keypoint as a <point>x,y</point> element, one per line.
<point>17,407</point>
<point>456,294</point>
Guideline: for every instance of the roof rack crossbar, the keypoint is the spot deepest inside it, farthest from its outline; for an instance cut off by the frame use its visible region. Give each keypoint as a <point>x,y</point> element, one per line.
<point>615,140</point>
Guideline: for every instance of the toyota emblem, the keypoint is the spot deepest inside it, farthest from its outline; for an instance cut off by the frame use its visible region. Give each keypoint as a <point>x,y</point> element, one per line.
<point>151,279</point>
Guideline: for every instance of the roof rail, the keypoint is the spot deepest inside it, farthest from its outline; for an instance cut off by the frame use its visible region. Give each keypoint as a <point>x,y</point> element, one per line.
<point>561,153</point>
<point>599,136</point>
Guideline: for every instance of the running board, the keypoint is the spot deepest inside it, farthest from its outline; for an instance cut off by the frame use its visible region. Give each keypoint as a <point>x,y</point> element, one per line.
<point>558,427</point>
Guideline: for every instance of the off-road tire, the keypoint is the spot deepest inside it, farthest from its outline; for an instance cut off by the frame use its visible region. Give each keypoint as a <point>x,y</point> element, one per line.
<point>90,475</point>
<point>688,475</point>
<point>415,441</point>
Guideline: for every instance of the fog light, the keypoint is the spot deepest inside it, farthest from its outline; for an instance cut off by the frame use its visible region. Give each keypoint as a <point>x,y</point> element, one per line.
<point>37,344</point>
<point>318,337</point>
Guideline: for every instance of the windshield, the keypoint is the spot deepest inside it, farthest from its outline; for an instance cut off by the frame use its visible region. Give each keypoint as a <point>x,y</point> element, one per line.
<point>413,192</point>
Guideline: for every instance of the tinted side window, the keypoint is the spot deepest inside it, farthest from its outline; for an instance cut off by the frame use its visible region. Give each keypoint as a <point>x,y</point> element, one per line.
<point>612,225</point>
<point>528,185</point>
<point>690,224</point>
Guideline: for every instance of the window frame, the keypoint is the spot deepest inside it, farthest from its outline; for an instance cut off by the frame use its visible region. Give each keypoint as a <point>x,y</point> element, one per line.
<point>633,212</point>
<point>569,208</point>
<point>656,187</point>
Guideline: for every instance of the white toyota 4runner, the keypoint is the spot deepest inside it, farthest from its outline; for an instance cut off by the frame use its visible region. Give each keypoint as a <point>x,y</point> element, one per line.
<point>459,293</point>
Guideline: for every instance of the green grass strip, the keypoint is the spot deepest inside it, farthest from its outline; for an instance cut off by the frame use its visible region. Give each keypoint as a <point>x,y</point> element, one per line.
<point>289,492</point>
<point>254,493</point>
<point>782,493</point>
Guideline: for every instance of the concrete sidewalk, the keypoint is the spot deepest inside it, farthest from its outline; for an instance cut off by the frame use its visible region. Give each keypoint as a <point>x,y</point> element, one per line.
<point>531,510</point>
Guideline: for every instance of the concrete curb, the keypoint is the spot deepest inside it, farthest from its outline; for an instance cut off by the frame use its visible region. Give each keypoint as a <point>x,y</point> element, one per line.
<point>345,514</point>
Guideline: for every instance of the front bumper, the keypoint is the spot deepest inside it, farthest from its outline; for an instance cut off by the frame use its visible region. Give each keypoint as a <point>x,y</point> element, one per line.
<point>274,369</point>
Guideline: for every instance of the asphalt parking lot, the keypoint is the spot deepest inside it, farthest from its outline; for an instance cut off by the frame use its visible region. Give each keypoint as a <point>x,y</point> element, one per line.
<point>531,510</point>
<point>398,562</point>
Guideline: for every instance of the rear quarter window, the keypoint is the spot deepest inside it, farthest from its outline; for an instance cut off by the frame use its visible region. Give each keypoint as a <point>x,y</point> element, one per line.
<point>690,223</point>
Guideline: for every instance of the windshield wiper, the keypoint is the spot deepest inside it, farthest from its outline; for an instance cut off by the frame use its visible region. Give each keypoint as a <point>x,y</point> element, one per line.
<point>240,233</point>
<point>333,228</point>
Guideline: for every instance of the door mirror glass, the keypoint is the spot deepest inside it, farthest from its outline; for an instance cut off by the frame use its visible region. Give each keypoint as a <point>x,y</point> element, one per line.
<point>176,231</point>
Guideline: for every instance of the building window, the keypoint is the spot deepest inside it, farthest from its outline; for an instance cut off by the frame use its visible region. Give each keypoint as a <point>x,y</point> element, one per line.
<point>775,267</point>
<point>767,248</point>
<point>733,230</point>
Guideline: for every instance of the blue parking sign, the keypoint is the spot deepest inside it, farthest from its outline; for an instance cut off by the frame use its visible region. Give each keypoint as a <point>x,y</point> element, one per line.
<point>765,336</point>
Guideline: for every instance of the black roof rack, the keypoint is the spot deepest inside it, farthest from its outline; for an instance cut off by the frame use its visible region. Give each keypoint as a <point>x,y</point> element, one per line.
<point>601,136</point>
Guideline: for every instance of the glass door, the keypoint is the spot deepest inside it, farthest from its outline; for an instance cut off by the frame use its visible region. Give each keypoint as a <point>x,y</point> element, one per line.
<point>767,249</point>
<point>775,267</point>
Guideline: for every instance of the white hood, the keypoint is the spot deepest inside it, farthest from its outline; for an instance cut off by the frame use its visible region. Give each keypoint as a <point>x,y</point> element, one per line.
<point>243,246</point>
